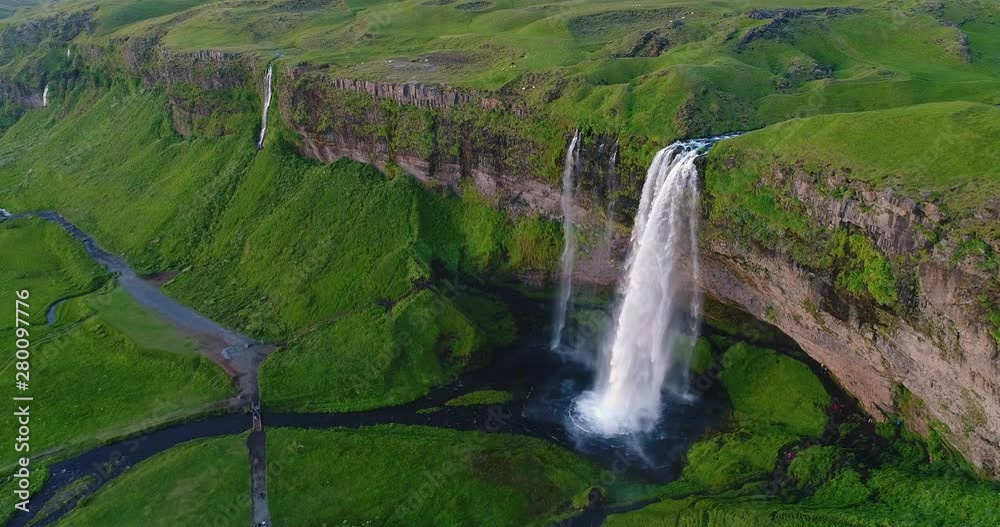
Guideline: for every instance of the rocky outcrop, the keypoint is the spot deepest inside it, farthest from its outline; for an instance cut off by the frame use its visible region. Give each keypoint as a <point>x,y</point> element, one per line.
<point>18,94</point>
<point>413,93</point>
<point>202,86</point>
<point>28,35</point>
<point>779,27</point>
<point>444,137</point>
<point>936,344</point>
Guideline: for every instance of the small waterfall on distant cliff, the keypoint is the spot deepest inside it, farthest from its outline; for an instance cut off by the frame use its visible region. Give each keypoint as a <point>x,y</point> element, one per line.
<point>568,259</point>
<point>45,96</point>
<point>658,308</point>
<point>267,106</point>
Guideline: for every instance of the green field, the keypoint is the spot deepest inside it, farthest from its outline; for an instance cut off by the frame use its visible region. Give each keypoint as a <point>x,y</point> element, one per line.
<point>202,482</point>
<point>98,381</point>
<point>403,475</point>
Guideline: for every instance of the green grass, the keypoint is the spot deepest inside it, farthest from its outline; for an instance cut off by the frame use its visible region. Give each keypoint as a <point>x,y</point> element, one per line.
<point>769,389</point>
<point>776,400</point>
<point>45,260</point>
<point>815,465</point>
<point>730,459</point>
<point>950,152</point>
<point>347,266</point>
<point>481,397</point>
<point>373,358</point>
<point>117,309</point>
<point>205,481</point>
<point>98,381</point>
<point>448,477</point>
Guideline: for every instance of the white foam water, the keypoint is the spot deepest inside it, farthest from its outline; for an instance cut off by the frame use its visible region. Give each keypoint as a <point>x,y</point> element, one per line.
<point>656,317</point>
<point>45,96</point>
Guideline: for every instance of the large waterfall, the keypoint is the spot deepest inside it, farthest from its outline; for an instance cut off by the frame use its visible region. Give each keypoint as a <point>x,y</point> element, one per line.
<point>45,96</point>
<point>267,106</point>
<point>658,307</point>
<point>568,259</point>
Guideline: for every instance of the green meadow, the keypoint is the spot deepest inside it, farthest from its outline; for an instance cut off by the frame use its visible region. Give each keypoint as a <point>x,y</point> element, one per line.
<point>106,368</point>
<point>408,475</point>
<point>201,482</point>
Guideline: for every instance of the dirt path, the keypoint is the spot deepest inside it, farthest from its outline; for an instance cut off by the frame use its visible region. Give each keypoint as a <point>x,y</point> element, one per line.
<point>239,355</point>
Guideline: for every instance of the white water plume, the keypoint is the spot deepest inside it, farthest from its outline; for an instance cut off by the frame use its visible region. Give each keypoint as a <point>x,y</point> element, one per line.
<point>267,106</point>
<point>656,320</point>
<point>45,96</point>
<point>568,259</point>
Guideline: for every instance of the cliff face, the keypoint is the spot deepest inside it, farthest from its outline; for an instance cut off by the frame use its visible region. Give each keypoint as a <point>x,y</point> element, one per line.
<point>22,81</point>
<point>444,137</point>
<point>205,88</point>
<point>935,343</point>
<point>455,139</point>
<point>18,94</point>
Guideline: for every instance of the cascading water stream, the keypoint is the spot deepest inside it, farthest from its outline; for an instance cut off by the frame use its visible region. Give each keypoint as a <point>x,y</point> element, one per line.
<point>45,96</point>
<point>267,106</point>
<point>656,320</point>
<point>568,259</point>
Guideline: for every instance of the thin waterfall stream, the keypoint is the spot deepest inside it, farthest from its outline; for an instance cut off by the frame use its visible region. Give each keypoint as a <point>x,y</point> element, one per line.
<point>568,259</point>
<point>268,78</point>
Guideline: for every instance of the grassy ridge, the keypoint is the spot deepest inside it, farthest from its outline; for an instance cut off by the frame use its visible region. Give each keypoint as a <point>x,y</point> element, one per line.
<point>451,477</point>
<point>585,59</point>
<point>658,70</point>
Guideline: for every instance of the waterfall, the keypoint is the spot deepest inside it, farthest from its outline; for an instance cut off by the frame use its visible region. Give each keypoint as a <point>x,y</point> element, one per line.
<point>656,319</point>
<point>568,258</point>
<point>267,106</point>
<point>45,96</point>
